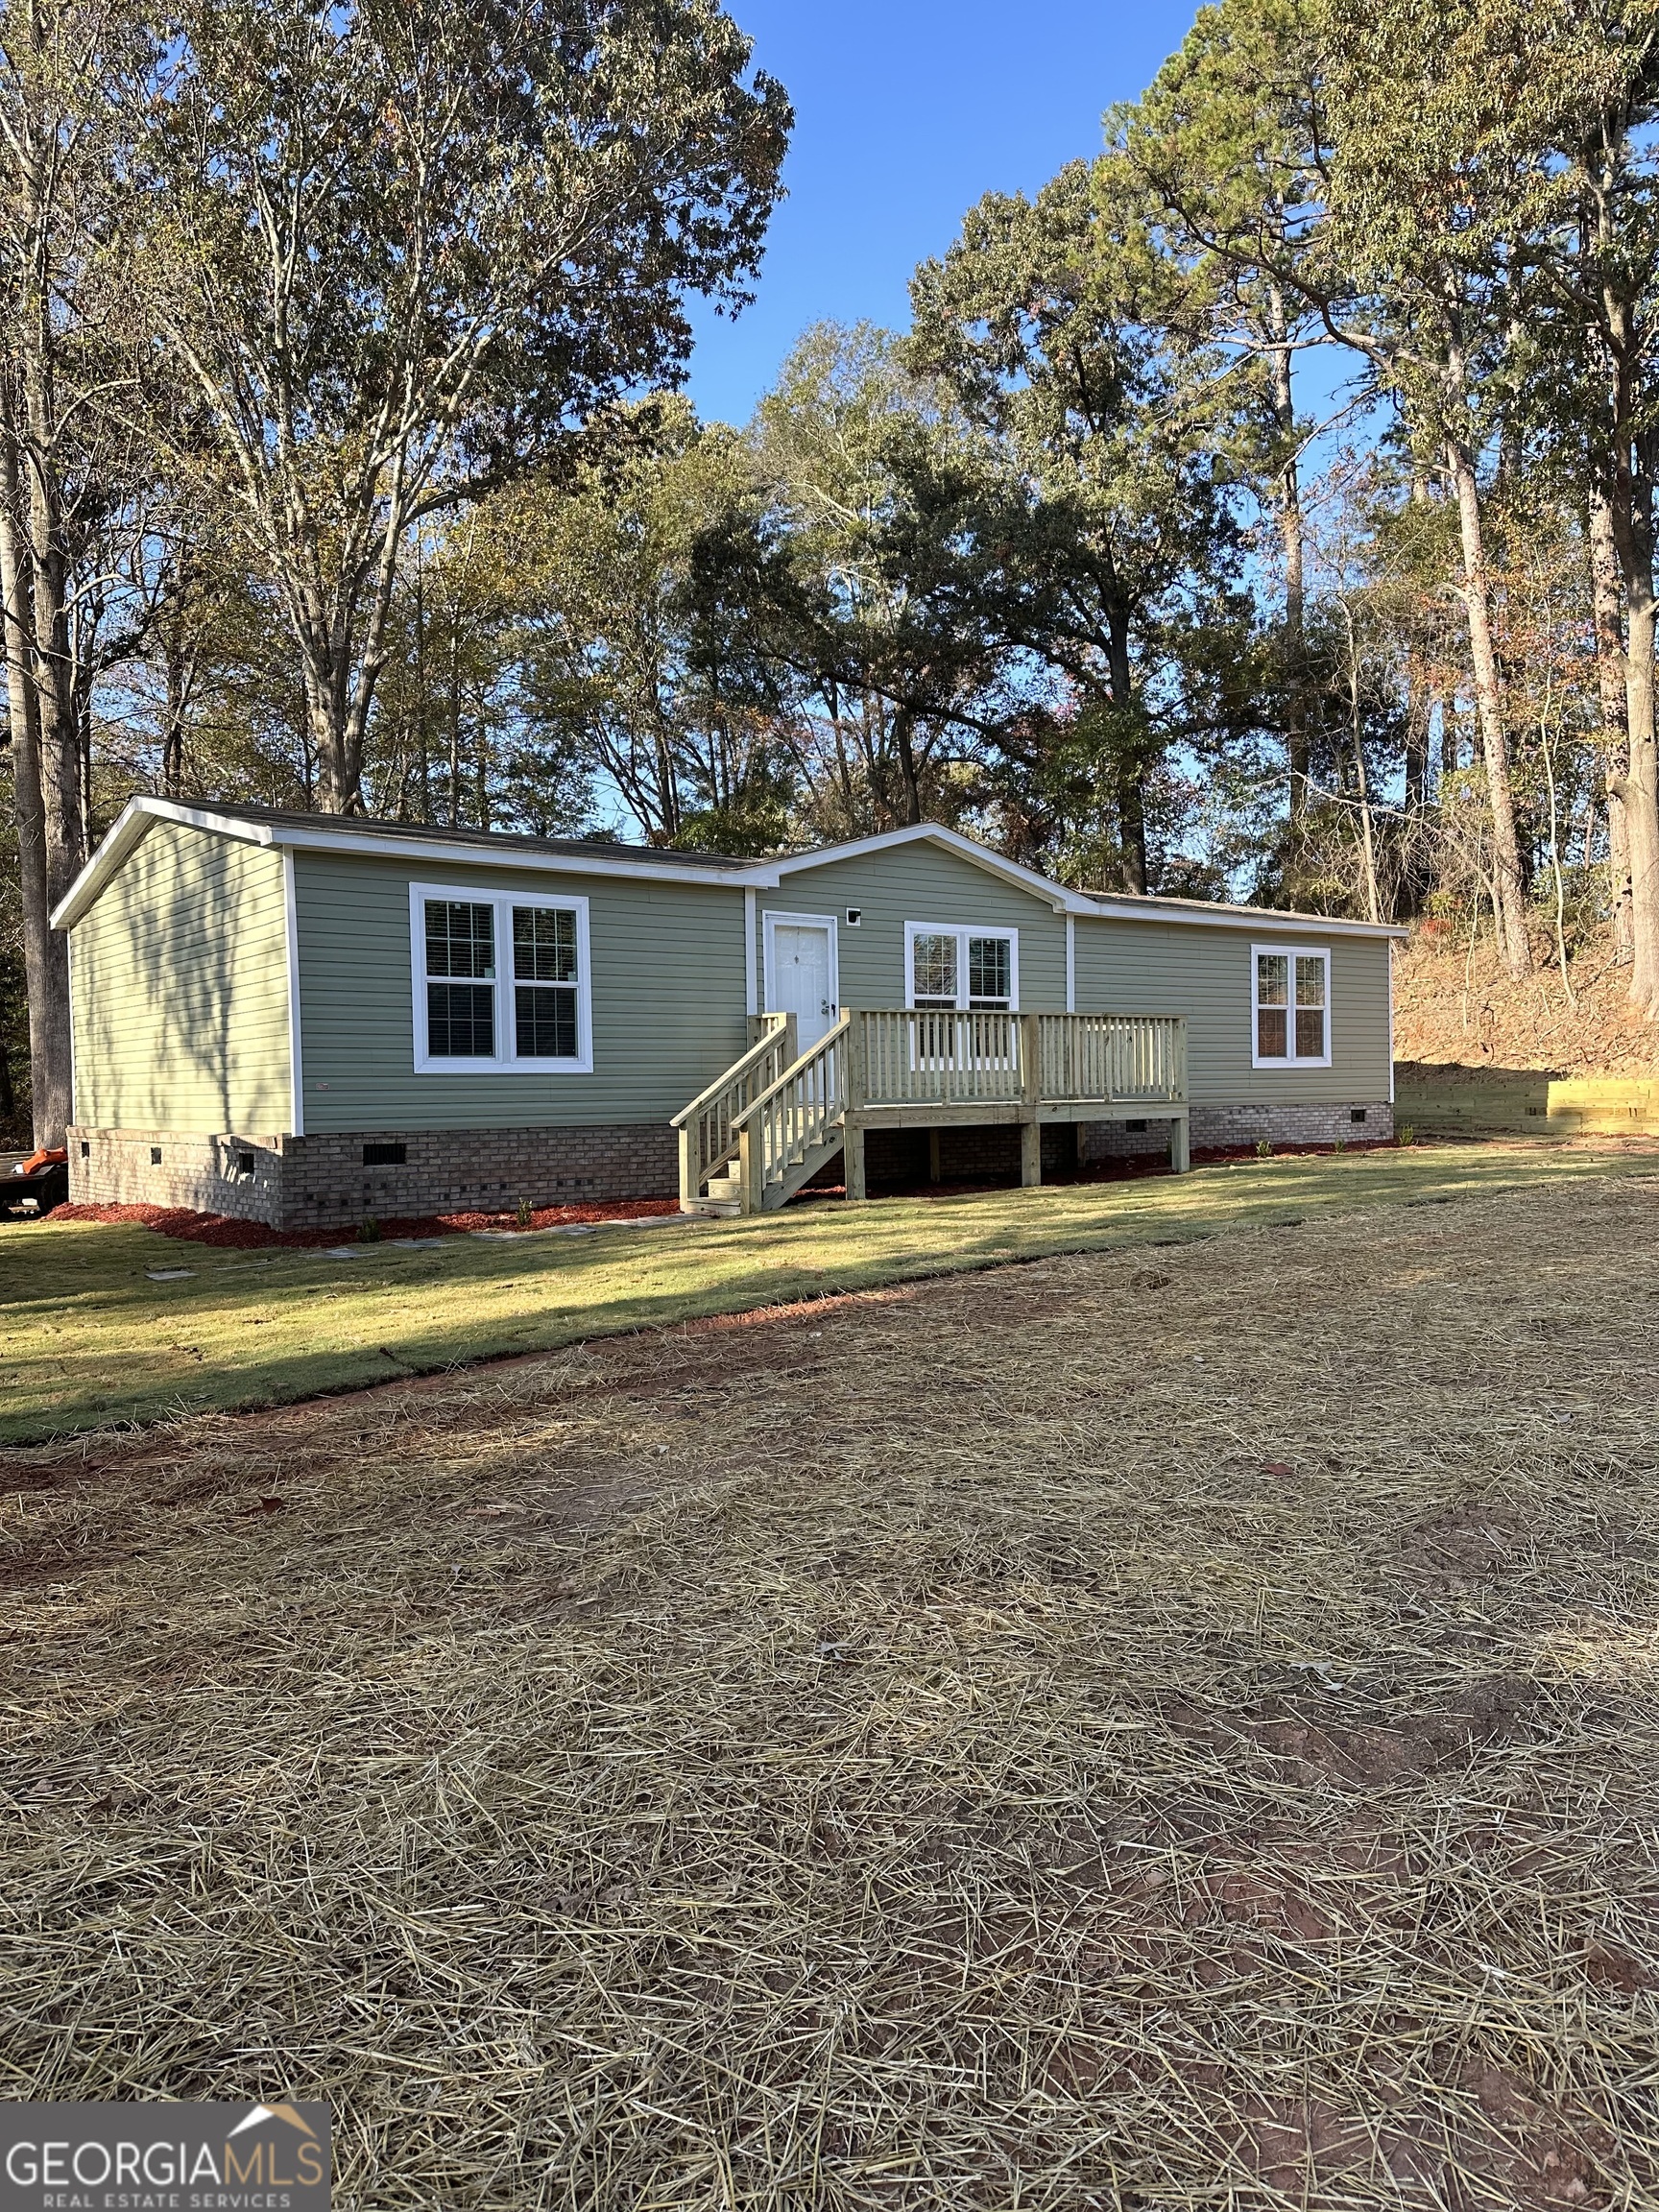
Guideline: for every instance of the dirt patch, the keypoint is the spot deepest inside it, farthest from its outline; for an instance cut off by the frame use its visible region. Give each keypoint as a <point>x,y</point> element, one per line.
<point>850,1754</point>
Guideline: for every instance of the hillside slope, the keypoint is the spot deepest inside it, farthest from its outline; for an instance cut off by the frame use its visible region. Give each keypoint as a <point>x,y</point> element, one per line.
<point>1457,1008</point>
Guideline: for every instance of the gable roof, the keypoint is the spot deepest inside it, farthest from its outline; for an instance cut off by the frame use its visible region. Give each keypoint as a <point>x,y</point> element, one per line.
<point>287,830</point>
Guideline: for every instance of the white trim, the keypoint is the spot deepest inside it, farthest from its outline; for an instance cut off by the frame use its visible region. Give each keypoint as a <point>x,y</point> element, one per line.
<point>69,986</point>
<point>291,925</point>
<point>751,981</point>
<point>962,931</point>
<point>1293,953</point>
<point>801,921</point>
<point>1070,963</point>
<point>1155,909</point>
<point>1391,1025</point>
<point>506,1061</point>
<point>1053,894</point>
<point>333,833</point>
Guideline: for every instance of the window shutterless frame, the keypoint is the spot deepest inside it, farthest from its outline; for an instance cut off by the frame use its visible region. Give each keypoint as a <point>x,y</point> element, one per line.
<point>497,978</point>
<point>965,961</point>
<point>1290,1006</point>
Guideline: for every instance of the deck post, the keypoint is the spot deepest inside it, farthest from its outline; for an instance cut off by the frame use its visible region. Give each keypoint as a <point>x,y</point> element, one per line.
<point>749,1157</point>
<point>1031,1099</point>
<point>688,1192</point>
<point>854,1089</point>
<point>853,1158</point>
<point>934,1155</point>
<point>1180,1146</point>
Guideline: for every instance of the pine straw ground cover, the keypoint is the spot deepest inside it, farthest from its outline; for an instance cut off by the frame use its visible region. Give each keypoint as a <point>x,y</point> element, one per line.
<point>1153,1728</point>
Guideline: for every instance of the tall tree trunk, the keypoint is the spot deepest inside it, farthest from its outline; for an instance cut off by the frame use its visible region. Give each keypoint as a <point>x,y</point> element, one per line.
<point>904,744</point>
<point>1638,789</point>
<point>1419,720</point>
<point>1508,895</point>
<point>1131,763</point>
<point>45,952</point>
<point>1292,550</point>
<point>1612,677</point>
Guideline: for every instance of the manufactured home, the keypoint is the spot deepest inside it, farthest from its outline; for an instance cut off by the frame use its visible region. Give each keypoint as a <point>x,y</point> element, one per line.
<point>305,1020</point>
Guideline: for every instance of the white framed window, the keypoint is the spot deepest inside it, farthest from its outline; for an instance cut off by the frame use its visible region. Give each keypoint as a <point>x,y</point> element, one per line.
<point>951,966</point>
<point>1290,1006</point>
<point>501,982</point>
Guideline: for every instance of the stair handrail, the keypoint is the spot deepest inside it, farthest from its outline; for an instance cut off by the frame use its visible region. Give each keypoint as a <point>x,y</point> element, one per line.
<point>814,1052</point>
<point>738,1070</point>
<point>793,1116</point>
<point>708,1140</point>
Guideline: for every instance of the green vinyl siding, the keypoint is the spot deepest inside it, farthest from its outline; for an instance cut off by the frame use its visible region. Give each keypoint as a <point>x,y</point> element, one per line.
<point>179,986</point>
<point>918,882</point>
<point>668,999</point>
<point>1204,972</point>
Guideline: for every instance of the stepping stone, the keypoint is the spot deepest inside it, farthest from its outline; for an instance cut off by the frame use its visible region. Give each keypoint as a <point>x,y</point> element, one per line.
<point>169,1274</point>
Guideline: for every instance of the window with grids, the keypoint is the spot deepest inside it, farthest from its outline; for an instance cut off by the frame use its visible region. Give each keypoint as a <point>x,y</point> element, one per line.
<point>460,979</point>
<point>1293,1005</point>
<point>544,981</point>
<point>500,981</point>
<point>962,968</point>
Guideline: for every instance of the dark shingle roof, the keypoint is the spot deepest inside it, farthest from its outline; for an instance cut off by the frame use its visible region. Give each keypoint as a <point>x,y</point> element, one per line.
<point>370,826</point>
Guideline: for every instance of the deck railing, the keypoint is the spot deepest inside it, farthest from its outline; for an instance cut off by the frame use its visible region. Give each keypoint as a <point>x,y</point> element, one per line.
<point>780,1116</point>
<point>1122,1058</point>
<point>917,1056</point>
<point>708,1138</point>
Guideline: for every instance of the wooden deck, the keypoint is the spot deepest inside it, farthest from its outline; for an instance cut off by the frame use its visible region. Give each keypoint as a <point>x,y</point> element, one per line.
<point>775,1117</point>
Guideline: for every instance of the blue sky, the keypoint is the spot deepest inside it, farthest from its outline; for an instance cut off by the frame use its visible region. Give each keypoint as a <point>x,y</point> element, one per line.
<point>905,112</point>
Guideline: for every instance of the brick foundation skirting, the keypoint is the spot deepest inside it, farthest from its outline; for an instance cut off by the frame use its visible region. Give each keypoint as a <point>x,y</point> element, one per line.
<point>1221,1128</point>
<point>324,1181</point>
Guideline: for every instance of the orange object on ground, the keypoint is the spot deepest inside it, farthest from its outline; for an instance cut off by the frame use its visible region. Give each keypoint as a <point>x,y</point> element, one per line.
<point>46,1156</point>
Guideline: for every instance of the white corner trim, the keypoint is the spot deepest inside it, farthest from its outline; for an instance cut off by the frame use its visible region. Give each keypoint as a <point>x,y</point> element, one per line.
<point>296,1068</point>
<point>962,931</point>
<point>1391,1025</point>
<point>1070,963</point>
<point>769,927</point>
<point>505,1060</point>
<point>751,979</point>
<point>1291,953</point>
<point>70,985</point>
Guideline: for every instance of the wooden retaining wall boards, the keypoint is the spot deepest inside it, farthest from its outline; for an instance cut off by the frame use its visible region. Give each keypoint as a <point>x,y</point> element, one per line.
<point>1523,1102</point>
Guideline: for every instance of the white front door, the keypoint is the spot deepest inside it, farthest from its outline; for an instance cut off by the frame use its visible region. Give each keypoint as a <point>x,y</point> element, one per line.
<point>802,976</point>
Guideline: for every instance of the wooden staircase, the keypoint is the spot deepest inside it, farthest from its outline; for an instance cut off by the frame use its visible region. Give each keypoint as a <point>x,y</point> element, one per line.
<point>778,1115</point>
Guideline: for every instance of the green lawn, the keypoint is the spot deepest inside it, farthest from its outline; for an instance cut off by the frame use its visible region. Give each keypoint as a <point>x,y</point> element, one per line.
<point>91,1340</point>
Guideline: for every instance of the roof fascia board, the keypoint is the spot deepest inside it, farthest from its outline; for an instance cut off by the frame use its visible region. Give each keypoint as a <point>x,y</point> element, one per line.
<point>463,856</point>
<point>131,827</point>
<point>1225,918</point>
<point>134,823</point>
<point>1055,894</point>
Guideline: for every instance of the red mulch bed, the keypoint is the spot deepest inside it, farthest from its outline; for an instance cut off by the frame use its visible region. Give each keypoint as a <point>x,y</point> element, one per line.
<point>254,1236</point>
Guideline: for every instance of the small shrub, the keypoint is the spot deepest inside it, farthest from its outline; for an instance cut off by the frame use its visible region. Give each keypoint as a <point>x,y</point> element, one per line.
<point>370,1231</point>
<point>1263,1150</point>
<point>525,1214</point>
<point>1405,1133</point>
<point>1339,1144</point>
